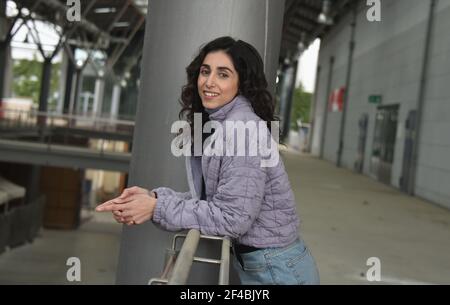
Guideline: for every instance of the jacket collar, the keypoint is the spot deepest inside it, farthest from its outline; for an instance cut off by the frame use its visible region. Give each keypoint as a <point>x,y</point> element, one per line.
<point>238,102</point>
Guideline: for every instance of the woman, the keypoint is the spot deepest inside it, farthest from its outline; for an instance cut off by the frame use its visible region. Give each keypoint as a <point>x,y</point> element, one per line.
<point>231,195</point>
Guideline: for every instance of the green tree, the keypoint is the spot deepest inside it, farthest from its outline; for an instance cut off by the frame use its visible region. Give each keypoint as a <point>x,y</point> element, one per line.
<point>27,80</point>
<point>301,105</point>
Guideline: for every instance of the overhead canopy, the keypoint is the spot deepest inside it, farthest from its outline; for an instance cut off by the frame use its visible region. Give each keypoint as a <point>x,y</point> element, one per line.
<point>115,26</point>
<point>301,23</point>
<point>119,24</point>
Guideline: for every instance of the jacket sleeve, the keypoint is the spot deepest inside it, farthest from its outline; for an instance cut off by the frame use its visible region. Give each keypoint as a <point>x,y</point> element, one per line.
<point>230,212</point>
<point>165,191</point>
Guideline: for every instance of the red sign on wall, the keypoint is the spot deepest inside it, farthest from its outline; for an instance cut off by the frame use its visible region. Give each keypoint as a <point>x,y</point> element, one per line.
<point>336,101</point>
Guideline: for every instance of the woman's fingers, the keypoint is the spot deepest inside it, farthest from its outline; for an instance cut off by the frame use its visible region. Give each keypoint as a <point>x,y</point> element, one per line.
<point>136,220</point>
<point>100,208</point>
<point>128,219</point>
<point>126,196</point>
<point>112,207</point>
<point>118,219</point>
<point>131,191</point>
<point>115,204</point>
<point>128,213</point>
<point>130,210</point>
<point>105,204</point>
<point>119,200</point>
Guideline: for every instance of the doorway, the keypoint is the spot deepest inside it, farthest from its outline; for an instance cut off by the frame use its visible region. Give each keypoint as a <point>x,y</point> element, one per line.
<point>384,138</point>
<point>362,123</point>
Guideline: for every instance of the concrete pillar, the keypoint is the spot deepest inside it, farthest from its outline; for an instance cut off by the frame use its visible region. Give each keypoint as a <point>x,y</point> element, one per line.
<point>167,52</point>
<point>45,84</point>
<point>98,96</point>
<point>4,43</point>
<point>44,92</point>
<point>62,84</point>
<point>351,49</point>
<point>323,131</point>
<point>115,101</point>
<point>286,95</point>
<point>8,73</point>
<point>3,21</point>
<point>86,96</point>
<point>77,89</point>
<point>33,183</point>
<point>312,113</point>
<point>68,94</point>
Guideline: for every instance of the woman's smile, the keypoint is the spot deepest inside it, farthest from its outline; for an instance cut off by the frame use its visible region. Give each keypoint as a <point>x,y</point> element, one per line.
<point>210,95</point>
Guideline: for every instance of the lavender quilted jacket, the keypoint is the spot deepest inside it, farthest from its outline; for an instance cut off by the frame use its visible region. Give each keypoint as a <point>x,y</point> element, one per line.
<point>252,205</point>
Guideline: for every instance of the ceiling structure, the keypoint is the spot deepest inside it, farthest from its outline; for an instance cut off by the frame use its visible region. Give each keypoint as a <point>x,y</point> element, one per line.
<point>114,26</point>
<point>117,26</point>
<point>301,22</point>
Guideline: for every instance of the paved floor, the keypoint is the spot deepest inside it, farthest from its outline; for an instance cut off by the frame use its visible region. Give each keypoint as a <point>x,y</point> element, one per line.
<point>346,219</point>
<point>95,244</point>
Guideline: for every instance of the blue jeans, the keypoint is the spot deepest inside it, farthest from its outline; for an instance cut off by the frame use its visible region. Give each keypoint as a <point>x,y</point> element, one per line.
<point>289,265</point>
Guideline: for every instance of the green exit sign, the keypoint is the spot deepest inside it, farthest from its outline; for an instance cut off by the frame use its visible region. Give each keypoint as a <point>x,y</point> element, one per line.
<point>375,99</point>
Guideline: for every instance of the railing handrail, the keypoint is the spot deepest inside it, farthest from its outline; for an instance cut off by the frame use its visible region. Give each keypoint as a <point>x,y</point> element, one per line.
<point>224,273</point>
<point>177,267</point>
<point>53,114</point>
<point>185,259</point>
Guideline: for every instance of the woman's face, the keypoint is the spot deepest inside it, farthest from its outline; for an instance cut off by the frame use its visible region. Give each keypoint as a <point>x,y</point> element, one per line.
<point>218,81</point>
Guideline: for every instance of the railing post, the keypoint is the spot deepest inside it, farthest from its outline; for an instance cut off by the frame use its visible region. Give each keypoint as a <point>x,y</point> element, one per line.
<point>224,273</point>
<point>185,258</point>
<point>178,274</point>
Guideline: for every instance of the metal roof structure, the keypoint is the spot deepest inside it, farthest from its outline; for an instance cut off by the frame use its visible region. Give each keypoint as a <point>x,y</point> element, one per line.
<point>117,26</point>
<point>301,23</point>
<point>114,26</point>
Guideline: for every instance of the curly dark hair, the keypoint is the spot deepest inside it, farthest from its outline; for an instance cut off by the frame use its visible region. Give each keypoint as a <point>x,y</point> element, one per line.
<point>252,81</point>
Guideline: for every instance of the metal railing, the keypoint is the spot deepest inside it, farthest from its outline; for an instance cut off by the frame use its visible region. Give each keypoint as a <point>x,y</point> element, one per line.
<point>179,263</point>
<point>50,127</point>
<point>30,118</point>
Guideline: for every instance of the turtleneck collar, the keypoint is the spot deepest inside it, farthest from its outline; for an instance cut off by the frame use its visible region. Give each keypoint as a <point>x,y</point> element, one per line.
<point>220,113</point>
<point>211,111</point>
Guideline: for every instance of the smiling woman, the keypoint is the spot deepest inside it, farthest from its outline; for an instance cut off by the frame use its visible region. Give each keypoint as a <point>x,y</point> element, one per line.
<point>228,67</point>
<point>230,195</point>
